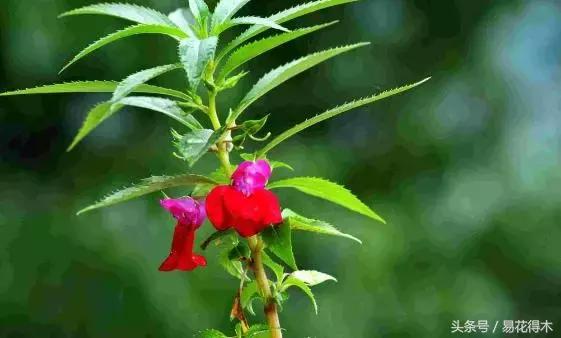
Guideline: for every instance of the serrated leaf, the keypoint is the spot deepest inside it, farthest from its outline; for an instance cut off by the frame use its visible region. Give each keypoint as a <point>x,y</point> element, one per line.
<point>274,266</point>
<point>195,55</point>
<point>225,10</point>
<point>329,191</point>
<point>334,112</point>
<point>95,117</point>
<point>211,333</point>
<point>252,50</point>
<point>301,223</point>
<point>292,281</point>
<point>311,277</point>
<point>199,9</point>
<point>131,82</point>
<point>283,73</point>
<point>251,20</point>
<point>183,18</point>
<point>129,31</point>
<point>147,186</point>
<point>281,17</point>
<point>94,87</point>
<point>278,240</point>
<point>125,11</point>
<point>197,143</point>
<point>164,106</point>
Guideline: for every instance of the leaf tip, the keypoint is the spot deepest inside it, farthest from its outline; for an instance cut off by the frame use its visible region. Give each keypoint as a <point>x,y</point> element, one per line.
<point>424,80</point>
<point>63,15</point>
<point>82,211</point>
<point>64,68</point>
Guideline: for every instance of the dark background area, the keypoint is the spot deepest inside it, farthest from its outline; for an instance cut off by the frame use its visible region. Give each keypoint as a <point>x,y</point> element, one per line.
<point>466,169</point>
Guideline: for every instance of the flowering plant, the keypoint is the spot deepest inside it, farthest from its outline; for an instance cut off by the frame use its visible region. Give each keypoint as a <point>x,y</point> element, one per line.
<point>252,231</point>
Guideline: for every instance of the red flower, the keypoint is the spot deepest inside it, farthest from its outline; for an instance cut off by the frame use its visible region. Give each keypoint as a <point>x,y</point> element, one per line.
<point>228,207</point>
<point>190,215</point>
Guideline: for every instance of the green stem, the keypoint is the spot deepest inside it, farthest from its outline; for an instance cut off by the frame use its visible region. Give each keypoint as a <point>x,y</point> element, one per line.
<point>212,111</point>
<point>271,312</point>
<point>223,154</point>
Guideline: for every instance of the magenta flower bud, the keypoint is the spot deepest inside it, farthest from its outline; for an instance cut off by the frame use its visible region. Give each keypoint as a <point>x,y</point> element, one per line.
<point>251,175</point>
<point>187,211</point>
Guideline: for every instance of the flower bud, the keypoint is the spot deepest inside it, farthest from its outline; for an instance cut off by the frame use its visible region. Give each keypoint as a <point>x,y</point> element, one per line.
<point>251,176</point>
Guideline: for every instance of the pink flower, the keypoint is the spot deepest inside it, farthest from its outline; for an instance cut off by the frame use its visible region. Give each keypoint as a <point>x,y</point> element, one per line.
<point>186,210</point>
<point>251,176</point>
<point>190,215</point>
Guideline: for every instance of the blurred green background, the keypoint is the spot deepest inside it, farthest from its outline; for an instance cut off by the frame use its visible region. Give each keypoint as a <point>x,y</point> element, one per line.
<point>466,169</point>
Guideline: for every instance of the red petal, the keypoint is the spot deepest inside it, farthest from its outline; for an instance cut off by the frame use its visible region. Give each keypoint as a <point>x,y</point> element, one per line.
<point>269,206</point>
<point>181,255</point>
<point>249,215</point>
<point>215,209</point>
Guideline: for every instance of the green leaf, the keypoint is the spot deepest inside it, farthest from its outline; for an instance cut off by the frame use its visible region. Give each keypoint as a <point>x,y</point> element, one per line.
<point>125,11</point>
<point>234,268</point>
<point>292,281</point>
<point>281,17</point>
<point>329,191</point>
<point>95,117</point>
<point>147,186</point>
<point>195,55</point>
<point>231,82</point>
<point>216,236</point>
<point>301,223</point>
<point>278,240</point>
<point>164,106</point>
<point>211,333</point>
<point>252,127</point>
<point>130,83</point>
<point>104,110</point>
<point>279,164</point>
<point>274,266</point>
<point>219,175</point>
<point>311,277</point>
<point>281,74</point>
<point>252,50</point>
<point>94,87</point>
<point>252,20</point>
<point>250,291</point>
<point>225,10</point>
<point>248,157</point>
<point>199,9</point>
<point>194,145</point>
<point>183,18</point>
<point>258,331</point>
<point>332,113</point>
<point>129,31</point>
<point>239,252</point>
